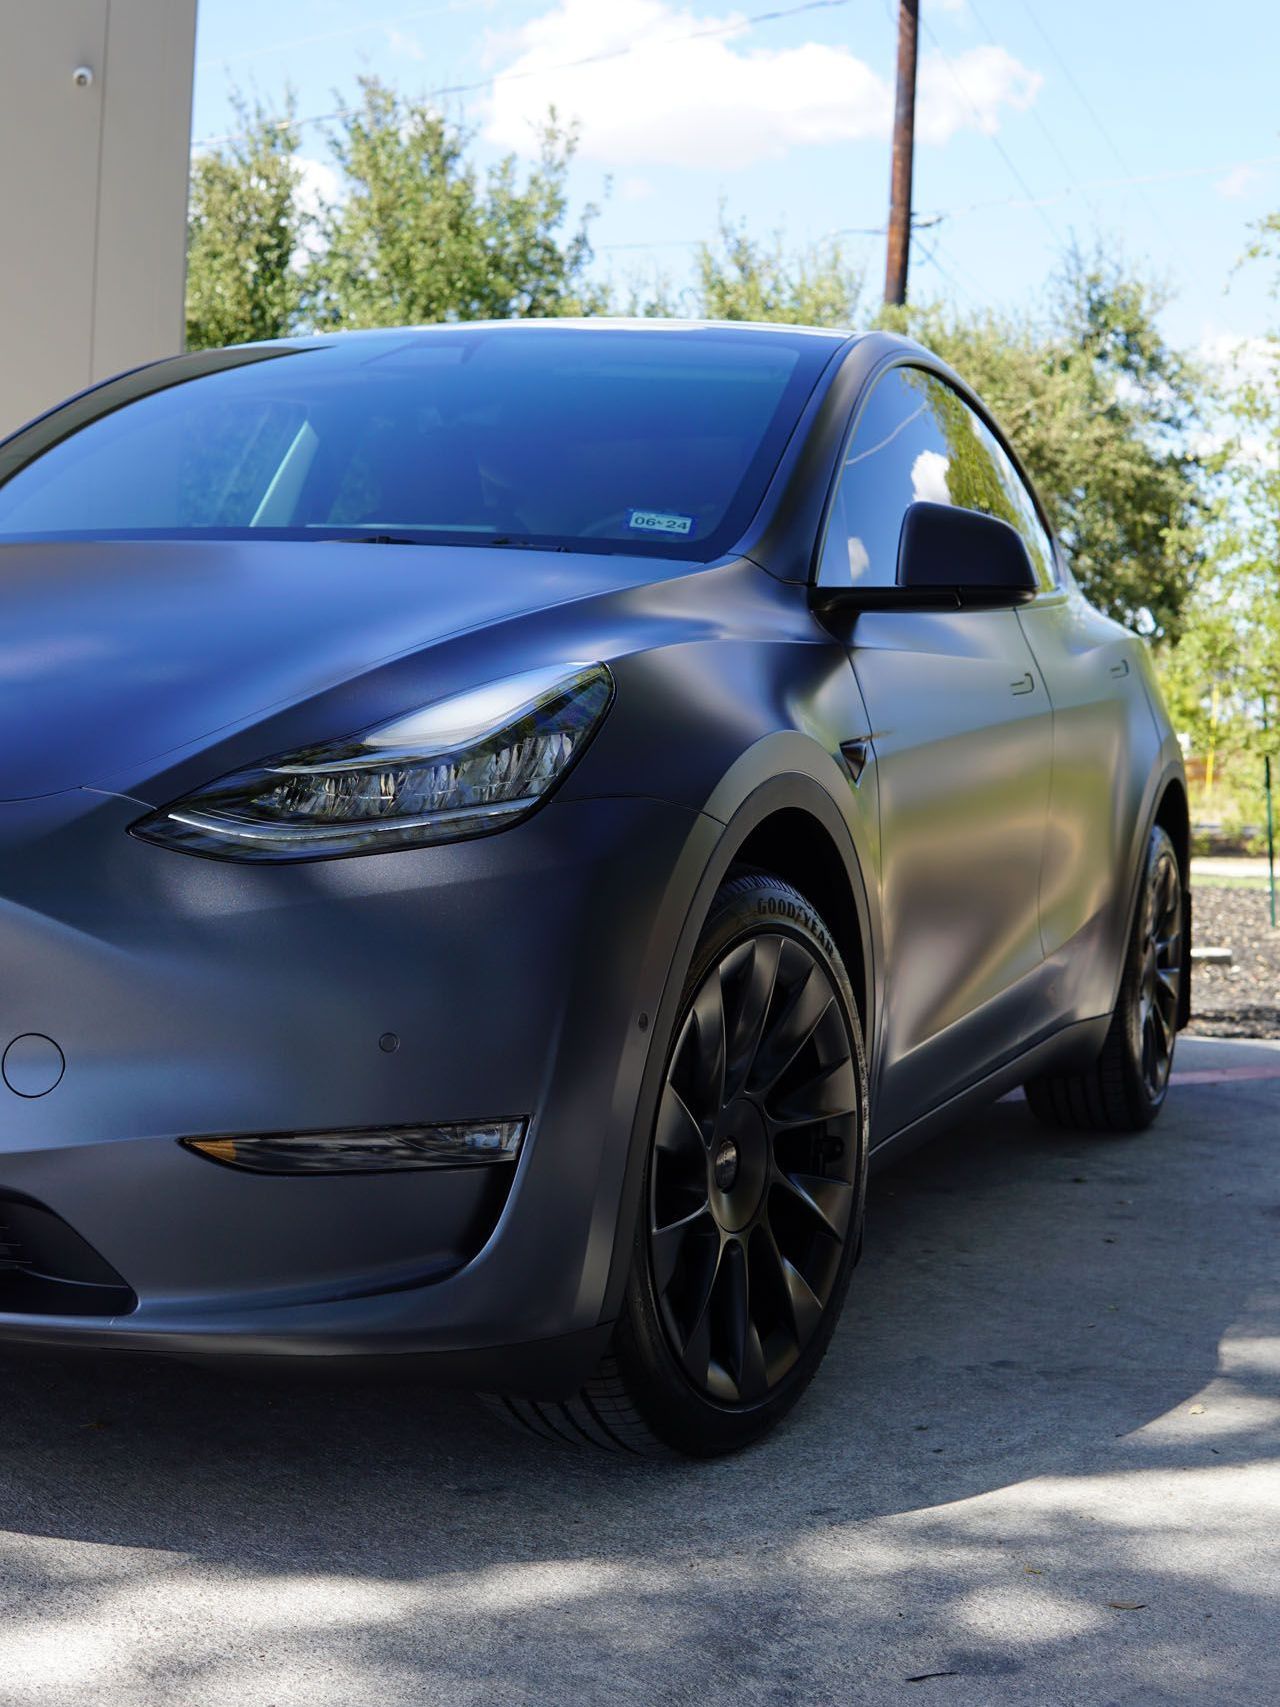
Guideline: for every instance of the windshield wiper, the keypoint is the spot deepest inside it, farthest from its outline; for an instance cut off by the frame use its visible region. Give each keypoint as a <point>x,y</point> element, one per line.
<point>508,541</point>
<point>372,539</point>
<point>514,542</point>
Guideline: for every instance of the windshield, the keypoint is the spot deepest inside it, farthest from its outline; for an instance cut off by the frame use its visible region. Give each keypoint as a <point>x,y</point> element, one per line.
<point>659,441</point>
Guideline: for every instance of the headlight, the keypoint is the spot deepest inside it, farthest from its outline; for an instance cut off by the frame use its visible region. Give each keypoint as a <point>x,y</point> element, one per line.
<point>460,767</point>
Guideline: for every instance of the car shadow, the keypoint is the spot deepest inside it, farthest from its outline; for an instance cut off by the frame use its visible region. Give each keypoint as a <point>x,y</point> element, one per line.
<point>1034,1311</point>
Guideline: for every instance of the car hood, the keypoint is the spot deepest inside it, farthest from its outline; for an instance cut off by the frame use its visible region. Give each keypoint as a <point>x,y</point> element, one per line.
<point>114,654</point>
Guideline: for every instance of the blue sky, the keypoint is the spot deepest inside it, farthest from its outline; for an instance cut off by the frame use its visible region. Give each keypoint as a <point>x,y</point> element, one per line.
<point>1142,122</point>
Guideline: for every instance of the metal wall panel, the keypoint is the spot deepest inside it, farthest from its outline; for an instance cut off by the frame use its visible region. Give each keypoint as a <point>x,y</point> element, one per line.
<point>93,187</point>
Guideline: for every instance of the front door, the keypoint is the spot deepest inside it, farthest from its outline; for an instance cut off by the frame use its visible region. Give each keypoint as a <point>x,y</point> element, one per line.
<point>963,743</point>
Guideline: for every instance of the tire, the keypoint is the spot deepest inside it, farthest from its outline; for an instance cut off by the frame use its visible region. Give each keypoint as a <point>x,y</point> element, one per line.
<point>1124,1089</point>
<point>754,1186</point>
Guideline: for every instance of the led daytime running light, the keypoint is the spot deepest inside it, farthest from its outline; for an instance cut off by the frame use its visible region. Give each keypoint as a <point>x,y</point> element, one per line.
<point>438,774</point>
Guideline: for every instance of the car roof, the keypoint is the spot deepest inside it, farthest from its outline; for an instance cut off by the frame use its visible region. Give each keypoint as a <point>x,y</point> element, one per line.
<point>746,329</point>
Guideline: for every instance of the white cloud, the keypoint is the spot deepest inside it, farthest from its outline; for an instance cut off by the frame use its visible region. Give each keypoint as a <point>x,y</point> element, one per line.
<point>967,92</point>
<point>929,478</point>
<point>659,93</point>
<point>1235,358</point>
<point>319,183</point>
<point>1238,182</point>
<point>635,188</point>
<point>406,45</point>
<point>319,186</point>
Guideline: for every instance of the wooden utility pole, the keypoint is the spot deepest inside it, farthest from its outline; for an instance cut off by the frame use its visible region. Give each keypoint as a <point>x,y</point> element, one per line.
<point>904,136</point>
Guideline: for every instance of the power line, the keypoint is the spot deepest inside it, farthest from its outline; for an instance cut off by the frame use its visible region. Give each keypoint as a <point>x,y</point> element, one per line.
<point>646,248</point>
<point>415,15</point>
<point>1036,114</point>
<point>1173,174</point>
<point>994,139</point>
<point>976,291</point>
<point>929,255</point>
<point>919,222</point>
<point>734,27</point>
<point>1092,111</point>
<point>922,222</point>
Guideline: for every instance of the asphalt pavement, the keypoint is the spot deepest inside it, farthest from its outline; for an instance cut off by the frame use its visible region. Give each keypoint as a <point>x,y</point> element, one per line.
<point>1041,1465</point>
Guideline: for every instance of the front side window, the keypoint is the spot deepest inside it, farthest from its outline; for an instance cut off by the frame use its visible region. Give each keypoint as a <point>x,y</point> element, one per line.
<point>918,441</point>
<point>655,441</point>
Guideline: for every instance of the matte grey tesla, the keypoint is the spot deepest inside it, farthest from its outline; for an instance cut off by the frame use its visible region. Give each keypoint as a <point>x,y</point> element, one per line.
<point>501,824</point>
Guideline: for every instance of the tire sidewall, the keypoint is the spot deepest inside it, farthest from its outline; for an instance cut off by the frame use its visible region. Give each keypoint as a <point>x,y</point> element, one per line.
<point>744,906</point>
<point>1128,1015</point>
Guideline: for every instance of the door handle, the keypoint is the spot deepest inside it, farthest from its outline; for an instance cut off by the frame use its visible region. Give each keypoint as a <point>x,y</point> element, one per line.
<point>1120,669</point>
<point>1026,685</point>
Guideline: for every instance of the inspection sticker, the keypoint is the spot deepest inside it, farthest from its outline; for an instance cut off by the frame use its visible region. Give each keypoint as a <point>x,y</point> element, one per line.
<point>660,521</point>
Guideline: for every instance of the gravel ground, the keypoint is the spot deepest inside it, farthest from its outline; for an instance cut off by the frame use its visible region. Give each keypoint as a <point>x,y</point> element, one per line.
<point>1243,999</point>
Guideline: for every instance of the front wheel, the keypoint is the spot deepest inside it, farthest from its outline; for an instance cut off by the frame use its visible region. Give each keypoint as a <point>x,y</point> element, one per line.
<point>753,1192</point>
<point>1125,1088</point>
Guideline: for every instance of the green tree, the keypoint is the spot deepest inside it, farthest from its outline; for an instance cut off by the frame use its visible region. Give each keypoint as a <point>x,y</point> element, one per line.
<point>1105,414</point>
<point>245,232</point>
<point>1226,668</point>
<point>1102,409</point>
<point>738,277</point>
<point>1222,679</point>
<point>420,235</point>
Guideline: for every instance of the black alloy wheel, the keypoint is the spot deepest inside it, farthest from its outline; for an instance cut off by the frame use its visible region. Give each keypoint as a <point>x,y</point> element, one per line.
<point>1124,1089</point>
<point>1160,977</point>
<point>754,1180</point>
<point>750,1217</point>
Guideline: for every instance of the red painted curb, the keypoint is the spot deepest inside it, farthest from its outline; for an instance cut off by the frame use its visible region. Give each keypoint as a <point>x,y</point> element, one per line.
<point>1223,1075</point>
<point>1198,1076</point>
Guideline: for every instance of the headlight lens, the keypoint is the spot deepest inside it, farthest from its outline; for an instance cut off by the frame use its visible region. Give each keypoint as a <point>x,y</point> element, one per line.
<point>463,766</point>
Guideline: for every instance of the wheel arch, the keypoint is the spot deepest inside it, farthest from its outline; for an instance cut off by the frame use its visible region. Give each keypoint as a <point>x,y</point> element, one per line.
<point>793,844</point>
<point>1173,815</point>
<point>790,825</point>
<point>1165,805</point>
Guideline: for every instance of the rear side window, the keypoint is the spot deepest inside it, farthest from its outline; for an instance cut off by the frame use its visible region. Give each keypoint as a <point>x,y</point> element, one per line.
<point>656,441</point>
<point>917,441</point>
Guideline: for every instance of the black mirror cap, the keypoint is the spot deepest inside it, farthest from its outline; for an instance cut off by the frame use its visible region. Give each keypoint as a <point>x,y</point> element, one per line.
<point>979,559</point>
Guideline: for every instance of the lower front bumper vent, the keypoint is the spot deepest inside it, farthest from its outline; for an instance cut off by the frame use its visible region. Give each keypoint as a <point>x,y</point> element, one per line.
<point>47,1269</point>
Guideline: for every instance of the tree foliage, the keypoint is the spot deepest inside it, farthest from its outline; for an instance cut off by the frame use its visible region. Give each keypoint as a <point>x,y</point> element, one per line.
<point>246,230</point>
<point>1222,679</point>
<point>1224,675</point>
<point>1104,413</point>
<point>416,233</point>
<point>1103,410</point>
<point>738,277</point>
<point>420,235</point>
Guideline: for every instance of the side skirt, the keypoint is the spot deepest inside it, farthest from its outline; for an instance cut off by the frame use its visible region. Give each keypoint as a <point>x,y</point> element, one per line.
<point>1074,1046</point>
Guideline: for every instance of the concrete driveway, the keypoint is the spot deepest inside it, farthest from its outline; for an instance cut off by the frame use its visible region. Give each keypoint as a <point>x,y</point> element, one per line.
<point>1041,1466</point>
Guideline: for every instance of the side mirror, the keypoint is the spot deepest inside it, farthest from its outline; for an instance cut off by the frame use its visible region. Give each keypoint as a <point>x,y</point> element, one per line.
<point>973,558</point>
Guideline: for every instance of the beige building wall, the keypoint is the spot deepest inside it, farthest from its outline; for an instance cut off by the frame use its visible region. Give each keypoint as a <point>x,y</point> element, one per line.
<point>95,134</point>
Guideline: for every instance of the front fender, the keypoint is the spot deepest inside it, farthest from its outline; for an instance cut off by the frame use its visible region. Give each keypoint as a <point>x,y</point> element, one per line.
<point>753,790</point>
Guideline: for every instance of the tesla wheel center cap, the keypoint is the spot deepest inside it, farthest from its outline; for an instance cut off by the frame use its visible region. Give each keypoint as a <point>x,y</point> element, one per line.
<point>726,1165</point>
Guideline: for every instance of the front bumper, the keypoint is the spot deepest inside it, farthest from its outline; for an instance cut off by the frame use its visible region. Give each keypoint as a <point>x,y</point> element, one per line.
<point>196,997</point>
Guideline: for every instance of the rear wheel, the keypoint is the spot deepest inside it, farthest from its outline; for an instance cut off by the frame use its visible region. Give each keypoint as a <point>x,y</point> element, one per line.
<point>1124,1089</point>
<point>753,1192</point>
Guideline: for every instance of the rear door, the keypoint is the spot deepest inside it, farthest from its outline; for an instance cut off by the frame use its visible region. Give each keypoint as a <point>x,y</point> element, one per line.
<point>963,748</point>
<point>1106,743</point>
